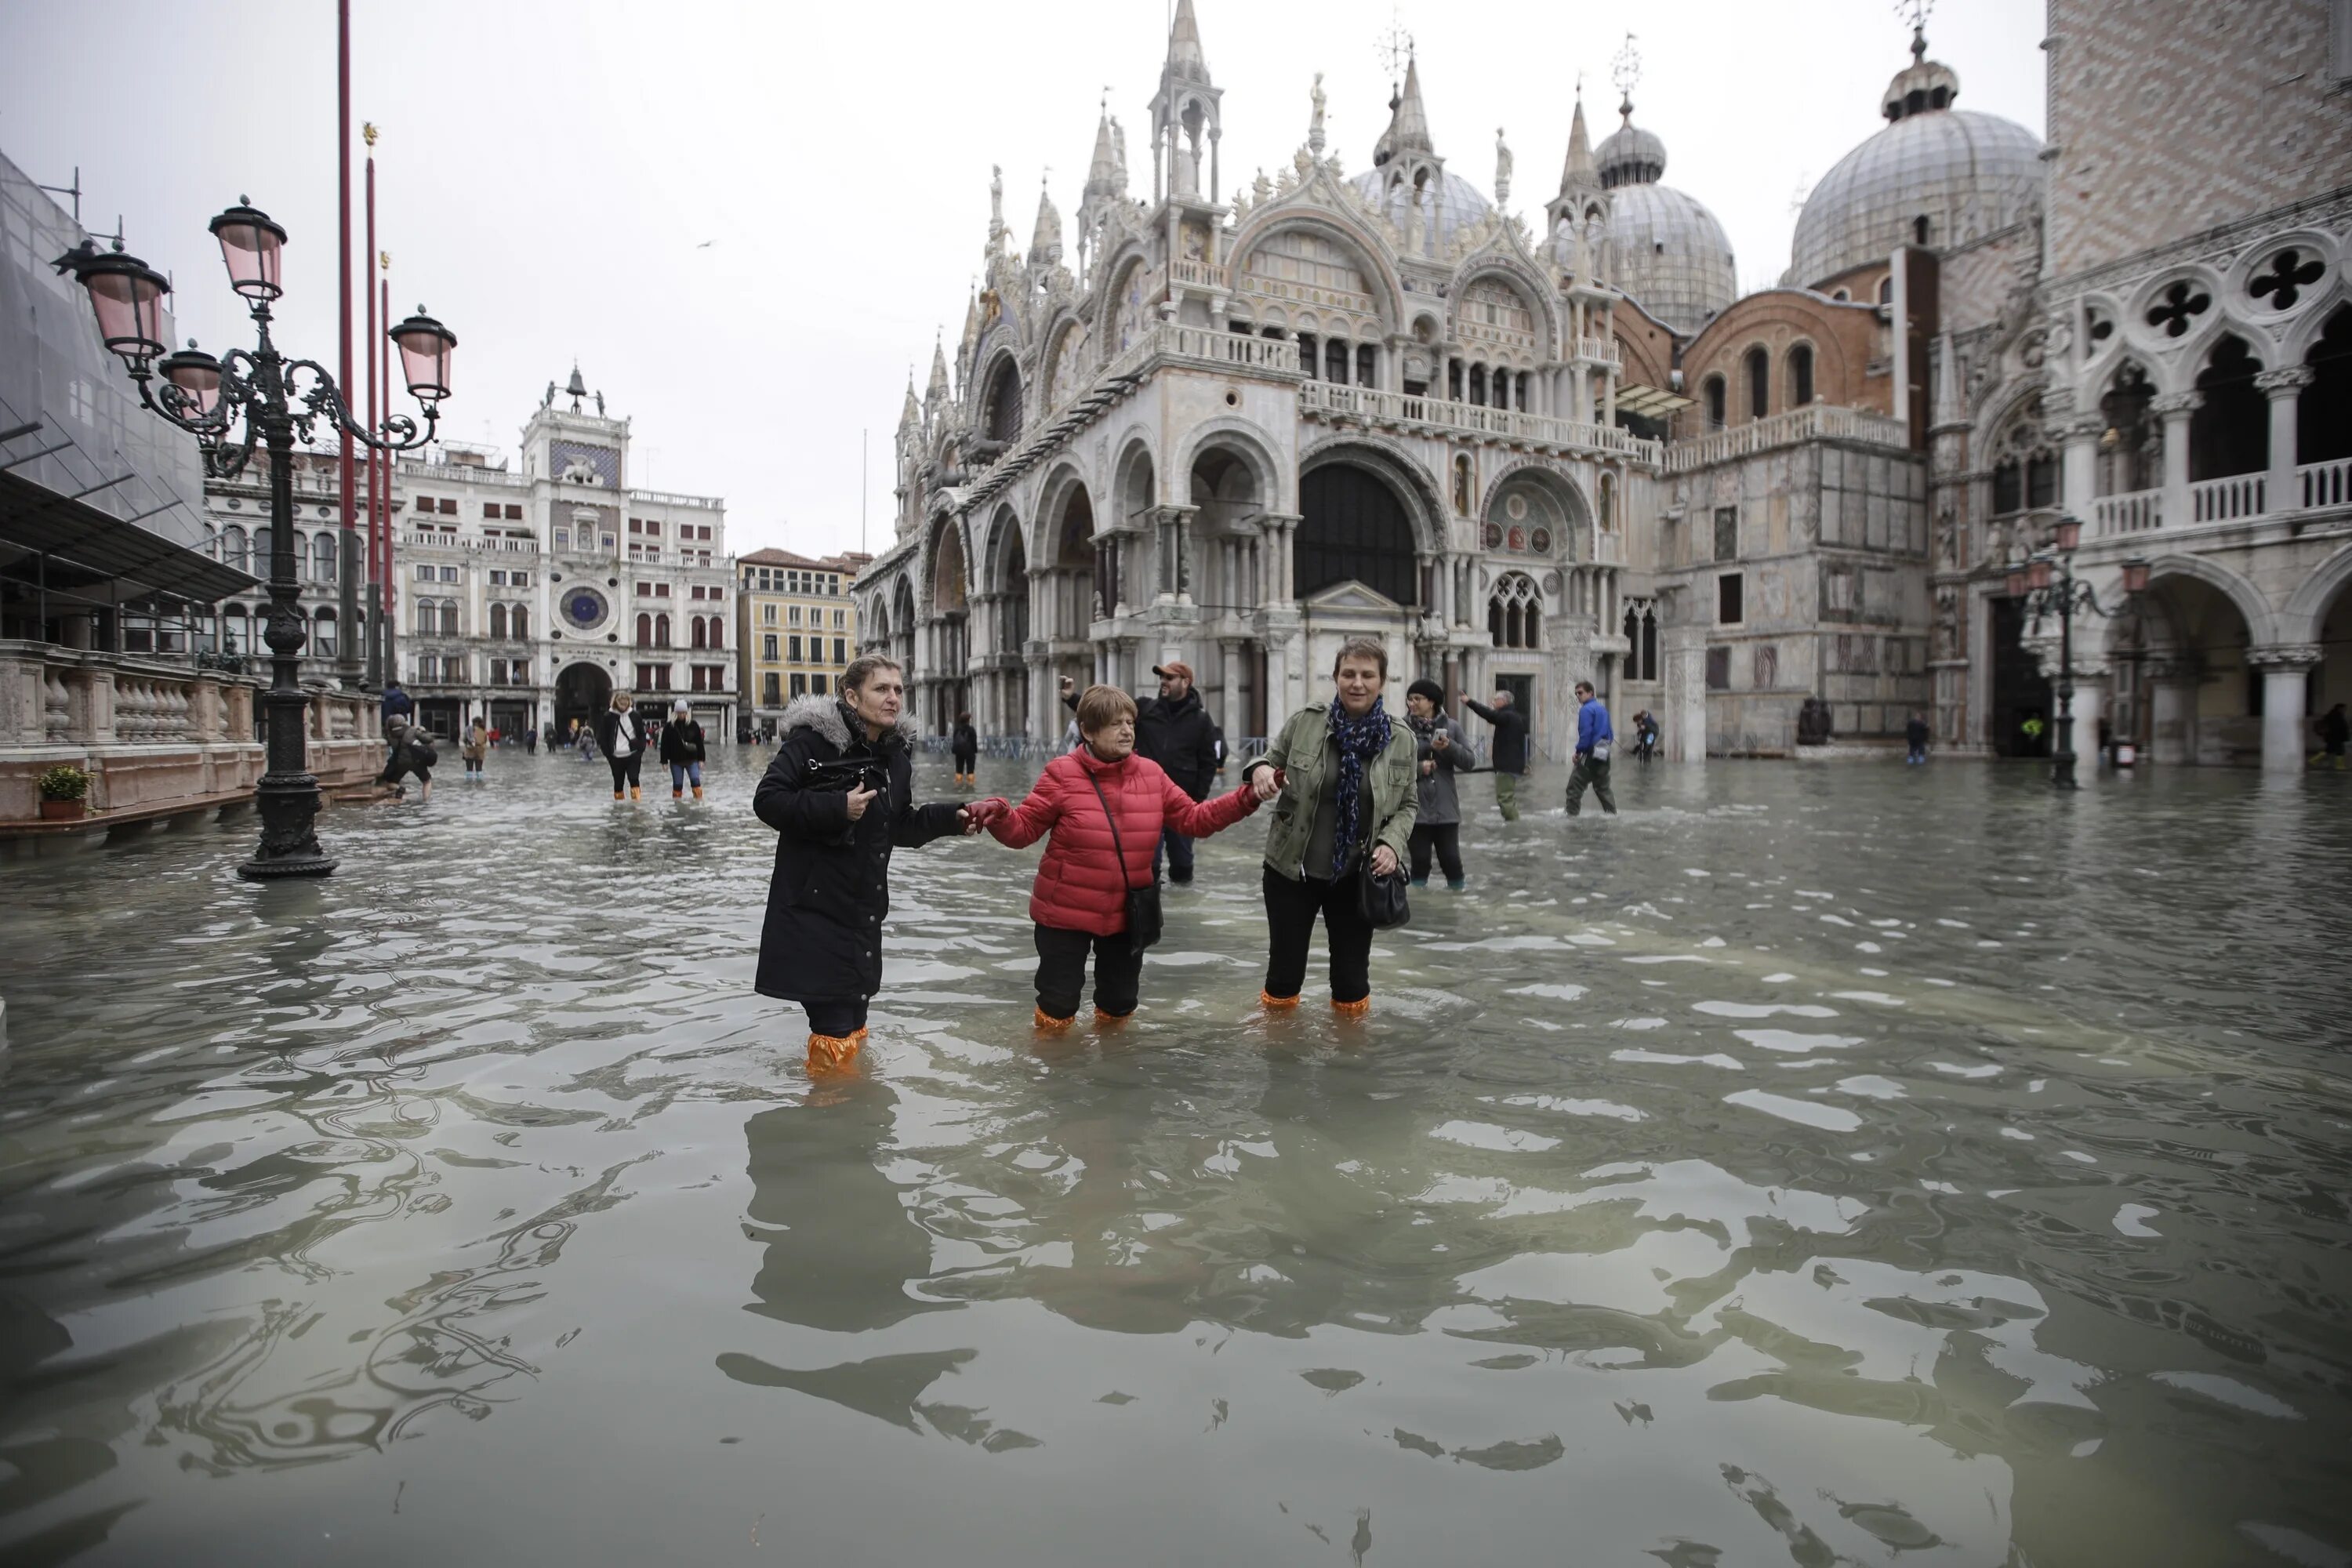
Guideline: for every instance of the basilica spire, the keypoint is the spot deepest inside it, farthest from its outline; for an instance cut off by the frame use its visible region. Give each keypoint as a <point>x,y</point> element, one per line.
<point>1103,175</point>
<point>1580,173</point>
<point>1186,116</point>
<point>937,393</point>
<point>1408,120</point>
<point>1046,240</point>
<point>912,415</point>
<point>1185,58</point>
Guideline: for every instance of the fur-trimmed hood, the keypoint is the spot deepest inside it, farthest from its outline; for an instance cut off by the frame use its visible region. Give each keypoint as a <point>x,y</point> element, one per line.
<point>827,716</point>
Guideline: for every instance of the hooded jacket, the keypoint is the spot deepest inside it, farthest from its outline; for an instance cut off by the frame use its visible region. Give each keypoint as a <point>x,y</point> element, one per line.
<point>1439,803</point>
<point>681,742</point>
<point>1082,884</point>
<point>608,730</point>
<point>830,890</point>
<point>1179,734</point>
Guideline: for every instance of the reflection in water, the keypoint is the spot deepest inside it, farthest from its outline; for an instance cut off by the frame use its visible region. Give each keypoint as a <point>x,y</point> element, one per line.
<point>1811,1168</point>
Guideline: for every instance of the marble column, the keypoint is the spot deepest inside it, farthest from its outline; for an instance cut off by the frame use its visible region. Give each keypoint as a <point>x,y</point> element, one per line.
<point>2283,388</point>
<point>2175,409</point>
<point>2171,689</point>
<point>2080,488</point>
<point>1230,651</point>
<point>2285,724</point>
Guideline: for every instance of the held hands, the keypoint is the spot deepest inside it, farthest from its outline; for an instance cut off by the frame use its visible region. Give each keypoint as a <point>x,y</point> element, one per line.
<point>1384,860</point>
<point>1265,783</point>
<point>859,799</point>
<point>983,814</point>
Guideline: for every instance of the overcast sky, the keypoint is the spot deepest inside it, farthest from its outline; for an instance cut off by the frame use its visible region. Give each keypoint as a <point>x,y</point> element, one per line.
<point>746,221</point>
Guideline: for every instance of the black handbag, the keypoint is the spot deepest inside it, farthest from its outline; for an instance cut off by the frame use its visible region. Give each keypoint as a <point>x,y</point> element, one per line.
<point>1381,899</point>
<point>1143,917</point>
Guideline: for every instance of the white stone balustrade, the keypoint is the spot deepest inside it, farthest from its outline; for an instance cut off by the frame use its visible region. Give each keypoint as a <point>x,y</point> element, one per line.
<point>1815,420</point>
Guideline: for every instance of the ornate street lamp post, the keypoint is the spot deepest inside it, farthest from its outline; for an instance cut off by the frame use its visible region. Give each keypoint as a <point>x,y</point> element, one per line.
<point>278,399</point>
<point>2031,581</point>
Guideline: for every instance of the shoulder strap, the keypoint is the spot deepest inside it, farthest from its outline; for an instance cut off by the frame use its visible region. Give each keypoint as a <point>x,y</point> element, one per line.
<point>1112,816</point>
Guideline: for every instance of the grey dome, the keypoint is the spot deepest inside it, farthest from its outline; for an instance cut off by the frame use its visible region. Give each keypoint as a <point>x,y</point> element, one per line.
<point>1670,254</point>
<point>1458,206</point>
<point>1967,173</point>
<point>1630,154</point>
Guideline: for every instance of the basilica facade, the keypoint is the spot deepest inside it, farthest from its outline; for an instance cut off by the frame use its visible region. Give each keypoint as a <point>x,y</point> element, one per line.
<point>1238,424</point>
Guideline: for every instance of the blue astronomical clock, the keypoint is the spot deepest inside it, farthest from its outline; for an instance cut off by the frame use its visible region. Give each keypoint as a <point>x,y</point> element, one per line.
<point>583,607</point>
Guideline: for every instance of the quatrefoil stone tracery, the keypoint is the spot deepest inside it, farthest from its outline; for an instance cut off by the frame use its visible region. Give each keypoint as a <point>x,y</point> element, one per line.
<point>2180,305</point>
<point>2289,274</point>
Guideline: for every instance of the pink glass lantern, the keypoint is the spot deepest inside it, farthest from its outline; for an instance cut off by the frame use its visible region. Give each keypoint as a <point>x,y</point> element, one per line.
<point>2070,534</point>
<point>425,346</point>
<point>2135,576</point>
<point>2017,584</point>
<point>251,246</point>
<point>126,295</point>
<point>196,374</point>
<point>2037,574</point>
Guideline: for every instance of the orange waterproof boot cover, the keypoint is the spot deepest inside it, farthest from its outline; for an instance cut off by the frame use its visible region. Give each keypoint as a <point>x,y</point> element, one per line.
<point>1049,1025</point>
<point>1358,1008</point>
<point>1276,1004</point>
<point>1110,1020</point>
<point>833,1053</point>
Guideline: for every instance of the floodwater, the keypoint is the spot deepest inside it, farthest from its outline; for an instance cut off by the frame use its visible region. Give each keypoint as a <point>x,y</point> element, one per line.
<point>1811,1165</point>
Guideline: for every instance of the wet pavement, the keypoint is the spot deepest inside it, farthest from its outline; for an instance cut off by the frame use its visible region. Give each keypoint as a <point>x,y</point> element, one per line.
<point>1812,1165</point>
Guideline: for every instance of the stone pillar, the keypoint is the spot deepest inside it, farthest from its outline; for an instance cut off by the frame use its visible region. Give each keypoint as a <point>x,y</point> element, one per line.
<point>2283,388</point>
<point>2088,703</point>
<point>1684,652</point>
<point>1277,582</point>
<point>2175,409</point>
<point>90,698</point>
<point>1229,651</point>
<point>2080,487</point>
<point>2285,725</point>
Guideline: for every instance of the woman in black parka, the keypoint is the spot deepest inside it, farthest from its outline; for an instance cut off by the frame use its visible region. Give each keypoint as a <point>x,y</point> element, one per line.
<point>822,945</point>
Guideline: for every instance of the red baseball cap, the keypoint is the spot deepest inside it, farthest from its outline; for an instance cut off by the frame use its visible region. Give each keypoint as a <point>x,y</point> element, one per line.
<point>1176,668</point>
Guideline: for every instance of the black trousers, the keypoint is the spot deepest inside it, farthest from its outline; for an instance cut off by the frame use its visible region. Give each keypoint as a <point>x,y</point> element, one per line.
<point>1445,837</point>
<point>839,1017</point>
<point>965,762</point>
<point>625,769</point>
<point>1062,972</point>
<point>1290,910</point>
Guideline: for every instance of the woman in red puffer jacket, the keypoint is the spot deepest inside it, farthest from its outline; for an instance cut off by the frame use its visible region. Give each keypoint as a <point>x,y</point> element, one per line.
<point>1080,898</point>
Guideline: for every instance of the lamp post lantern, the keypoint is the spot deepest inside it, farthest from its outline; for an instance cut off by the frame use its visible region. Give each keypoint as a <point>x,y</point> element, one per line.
<point>2045,582</point>
<point>278,399</point>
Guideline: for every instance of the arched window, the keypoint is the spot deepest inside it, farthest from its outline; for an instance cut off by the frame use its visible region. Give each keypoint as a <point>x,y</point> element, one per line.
<point>1515,612</point>
<point>1759,384</point>
<point>2231,431</point>
<point>428,618</point>
<point>448,618</point>
<point>1353,527</point>
<point>661,631</point>
<point>1641,642</point>
<point>1919,229</point>
<point>1717,402</point>
<point>1335,361</point>
<point>2131,440</point>
<point>2323,413</point>
<point>2026,467</point>
<point>698,635</point>
<point>322,632</point>
<point>1001,413</point>
<point>498,621</point>
<point>1886,290</point>
<point>1801,375</point>
<point>260,553</point>
<point>517,622</point>
<point>644,629</point>
<point>323,557</point>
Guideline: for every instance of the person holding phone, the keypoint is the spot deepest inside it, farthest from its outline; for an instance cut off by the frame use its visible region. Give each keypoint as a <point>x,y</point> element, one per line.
<point>840,794</point>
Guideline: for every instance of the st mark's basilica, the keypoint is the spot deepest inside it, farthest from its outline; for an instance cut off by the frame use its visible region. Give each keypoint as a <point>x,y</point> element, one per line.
<point>1236,424</point>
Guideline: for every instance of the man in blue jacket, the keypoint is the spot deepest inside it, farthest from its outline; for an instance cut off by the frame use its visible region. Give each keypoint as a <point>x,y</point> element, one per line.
<point>1594,739</point>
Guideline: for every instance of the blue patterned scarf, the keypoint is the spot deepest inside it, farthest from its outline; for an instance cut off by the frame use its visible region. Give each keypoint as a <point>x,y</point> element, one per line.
<point>1359,741</point>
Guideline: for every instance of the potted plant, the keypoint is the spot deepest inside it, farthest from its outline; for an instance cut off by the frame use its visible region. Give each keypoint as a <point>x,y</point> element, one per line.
<point>65,794</point>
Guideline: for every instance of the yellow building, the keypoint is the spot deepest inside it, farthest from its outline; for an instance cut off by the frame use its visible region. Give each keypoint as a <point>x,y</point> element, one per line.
<point>797,628</point>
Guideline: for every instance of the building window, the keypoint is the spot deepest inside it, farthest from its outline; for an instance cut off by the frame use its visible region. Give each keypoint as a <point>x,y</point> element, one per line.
<point>1641,643</point>
<point>771,689</point>
<point>518,622</point>
<point>564,539</point>
<point>768,647</point>
<point>448,506</point>
<point>498,622</point>
<point>448,573</point>
<point>816,684</point>
<point>661,631</point>
<point>1728,593</point>
<point>1727,533</point>
<point>1718,670</point>
<point>514,512</point>
<point>425,574</point>
<point>792,615</point>
<point>1801,375</point>
<point>1716,408</point>
<point>767,614</point>
<point>792,650</point>
<point>799,685</point>
<point>1515,613</point>
<point>423,503</point>
<point>644,629</point>
<point>1759,384</point>
<point>840,651</point>
<point>841,620</point>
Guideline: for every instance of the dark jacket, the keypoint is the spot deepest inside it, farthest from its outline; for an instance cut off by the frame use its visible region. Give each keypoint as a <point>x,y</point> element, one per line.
<point>1183,738</point>
<point>681,742</point>
<point>398,704</point>
<point>1508,751</point>
<point>608,729</point>
<point>1915,731</point>
<point>964,741</point>
<point>830,890</point>
<point>1439,803</point>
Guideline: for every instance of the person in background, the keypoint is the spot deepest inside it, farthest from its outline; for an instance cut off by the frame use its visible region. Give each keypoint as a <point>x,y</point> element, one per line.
<point>2334,728</point>
<point>531,741</point>
<point>622,734</point>
<point>475,749</point>
<point>965,743</point>
<point>1441,749</point>
<point>1594,741</point>
<point>830,892</point>
<point>1646,735</point>
<point>397,704</point>
<point>1175,729</point>
<point>1106,805</point>
<point>682,748</point>
<point>1508,754</point>
<point>1915,739</point>
<point>1345,774</point>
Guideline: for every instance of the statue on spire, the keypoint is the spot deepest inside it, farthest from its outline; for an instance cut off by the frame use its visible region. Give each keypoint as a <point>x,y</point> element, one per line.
<point>996,230</point>
<point>1502,168</point>
<point>1315,124</point>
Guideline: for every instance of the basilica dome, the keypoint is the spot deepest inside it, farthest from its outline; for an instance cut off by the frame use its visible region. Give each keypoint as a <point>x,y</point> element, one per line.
<point>1963,173</point>
<point>1665,249</point>
<point>1458,206</point>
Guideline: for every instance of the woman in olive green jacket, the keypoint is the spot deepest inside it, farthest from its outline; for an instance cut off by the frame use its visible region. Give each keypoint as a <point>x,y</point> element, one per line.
<point>1344,773</point>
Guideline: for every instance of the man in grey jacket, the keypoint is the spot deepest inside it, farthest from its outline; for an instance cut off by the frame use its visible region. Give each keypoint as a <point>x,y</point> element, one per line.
<point>1442,750</point>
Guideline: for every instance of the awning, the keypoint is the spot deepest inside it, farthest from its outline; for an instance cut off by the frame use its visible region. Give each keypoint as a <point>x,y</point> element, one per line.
<point>82,540</point>
<point>1649,402</point>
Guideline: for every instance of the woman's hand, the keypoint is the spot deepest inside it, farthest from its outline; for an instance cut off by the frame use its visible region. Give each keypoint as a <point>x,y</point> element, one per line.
<point>859,799</point>
<point>1265,783</point>
<point>1384,861</point>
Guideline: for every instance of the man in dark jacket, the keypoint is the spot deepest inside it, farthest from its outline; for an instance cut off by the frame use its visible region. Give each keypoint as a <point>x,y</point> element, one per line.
<point>397,704</point>
<point>1175,730</point>
<point>830,892</point>
<point>1507,753</point>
